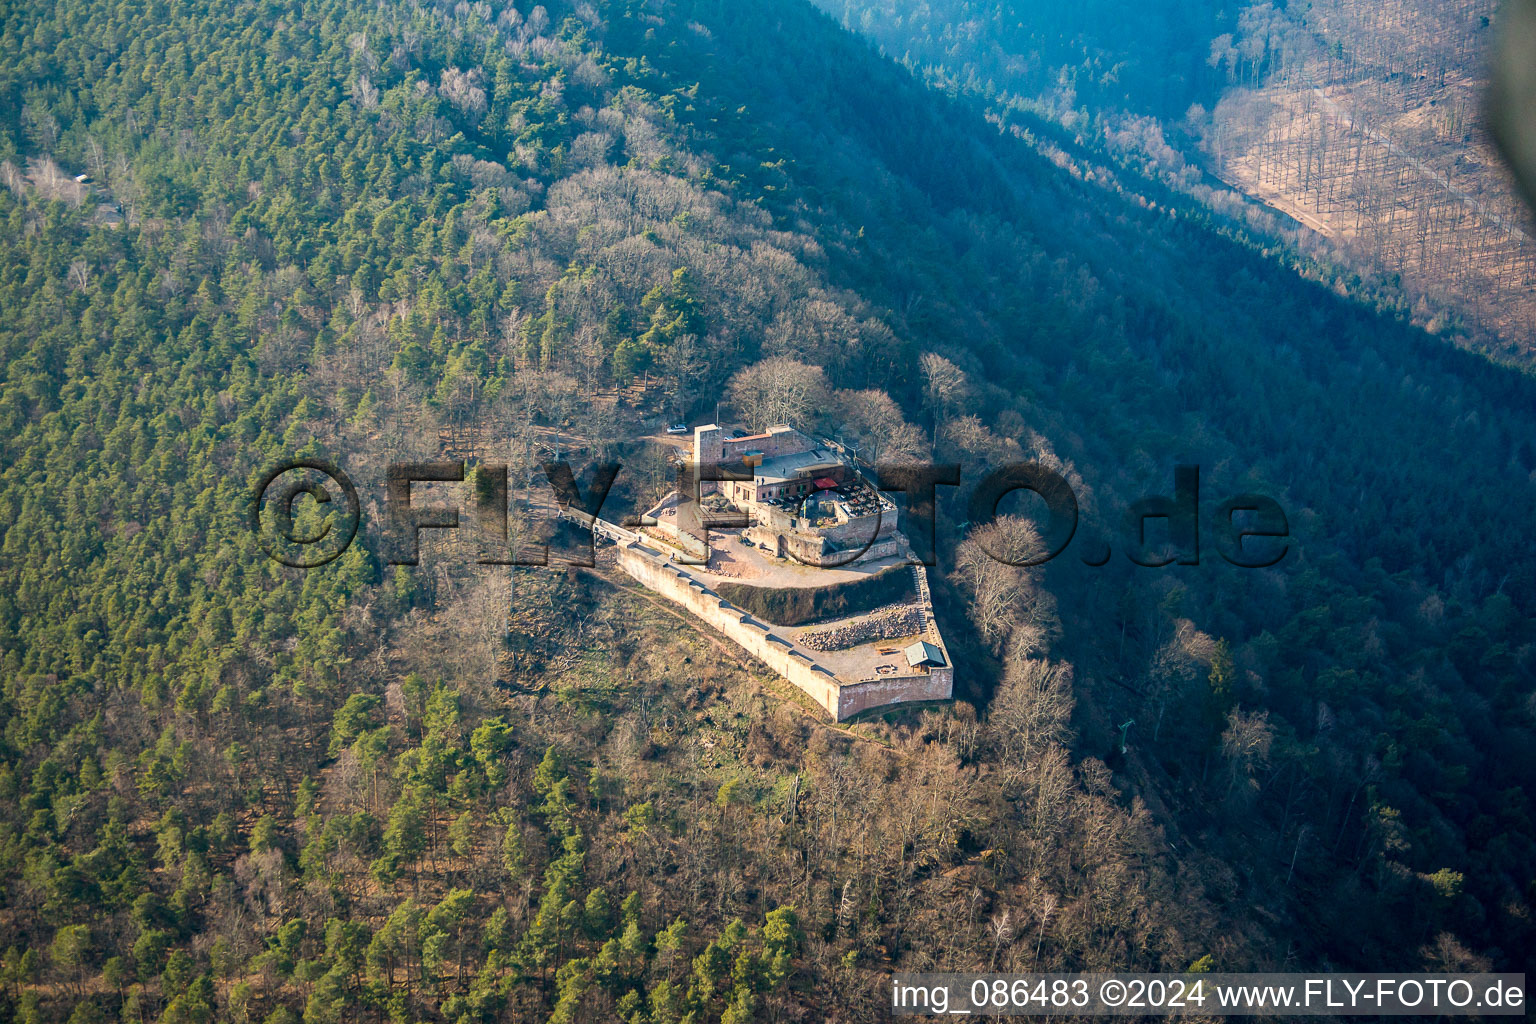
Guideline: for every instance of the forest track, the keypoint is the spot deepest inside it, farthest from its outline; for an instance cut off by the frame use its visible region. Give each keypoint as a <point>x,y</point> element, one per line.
<point>1429,173</point>
<point>1279,203</point>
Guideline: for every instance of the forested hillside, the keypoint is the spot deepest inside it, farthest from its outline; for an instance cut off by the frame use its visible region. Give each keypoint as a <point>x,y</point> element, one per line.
<point>1366,121</point>
<point>1360,123</point>
<point>237,791</point>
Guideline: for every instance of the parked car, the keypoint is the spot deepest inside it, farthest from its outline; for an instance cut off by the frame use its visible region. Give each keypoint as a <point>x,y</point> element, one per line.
<point>678,428</point>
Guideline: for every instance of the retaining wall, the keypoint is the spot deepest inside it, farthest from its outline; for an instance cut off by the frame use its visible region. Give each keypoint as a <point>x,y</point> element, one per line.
<point>794,663</point>
<point>935,684</point>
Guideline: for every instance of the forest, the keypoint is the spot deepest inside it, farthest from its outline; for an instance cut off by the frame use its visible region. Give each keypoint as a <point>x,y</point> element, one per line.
<point>507,232</point>
<point>1352,132</point>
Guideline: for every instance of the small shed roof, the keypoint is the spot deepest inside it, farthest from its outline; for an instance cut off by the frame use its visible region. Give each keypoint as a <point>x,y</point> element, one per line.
<point>924,653</point>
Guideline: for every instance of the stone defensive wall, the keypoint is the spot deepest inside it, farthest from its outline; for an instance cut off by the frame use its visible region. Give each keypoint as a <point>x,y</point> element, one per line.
<point>934,684</point>
<point>795,663</point>
<point>872,536</point>
<point>657,573</point>
<point>655,570</point>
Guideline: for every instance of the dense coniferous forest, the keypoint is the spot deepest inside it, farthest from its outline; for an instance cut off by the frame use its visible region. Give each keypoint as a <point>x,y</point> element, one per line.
<point>232,790</point>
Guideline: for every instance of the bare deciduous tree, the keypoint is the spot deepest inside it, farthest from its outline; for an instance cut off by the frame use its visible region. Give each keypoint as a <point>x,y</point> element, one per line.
<point>364,93</point>
<point>946,386</point>
<point>780,390</point>
<point>989,564</point>
<point>1246,745</point>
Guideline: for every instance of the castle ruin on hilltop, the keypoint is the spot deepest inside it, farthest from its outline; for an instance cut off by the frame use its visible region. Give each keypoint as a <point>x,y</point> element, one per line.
<point>798,559</point>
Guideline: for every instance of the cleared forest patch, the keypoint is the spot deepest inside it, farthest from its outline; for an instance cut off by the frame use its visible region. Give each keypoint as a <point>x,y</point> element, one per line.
<point>1364,121</point>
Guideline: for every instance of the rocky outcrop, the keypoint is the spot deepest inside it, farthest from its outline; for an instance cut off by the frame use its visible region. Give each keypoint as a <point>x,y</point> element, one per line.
<point>904,620</point>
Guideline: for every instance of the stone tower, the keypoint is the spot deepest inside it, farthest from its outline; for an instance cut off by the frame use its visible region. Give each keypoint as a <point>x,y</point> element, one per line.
<point>708,448</point>
<point>708,444</point>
